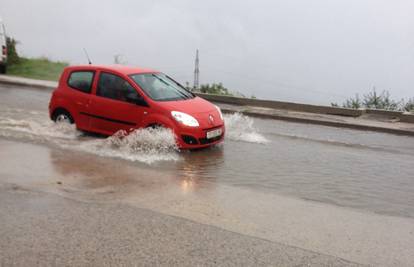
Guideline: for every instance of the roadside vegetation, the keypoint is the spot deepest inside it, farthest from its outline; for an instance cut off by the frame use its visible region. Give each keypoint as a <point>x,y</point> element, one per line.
<point>375,100</point>
<point>35,68</point>
<point>216,89</point>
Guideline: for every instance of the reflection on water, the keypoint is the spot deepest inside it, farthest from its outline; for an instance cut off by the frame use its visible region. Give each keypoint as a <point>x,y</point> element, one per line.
<point>187,185</point>
<point>87,172</point>
<point>197,166</point>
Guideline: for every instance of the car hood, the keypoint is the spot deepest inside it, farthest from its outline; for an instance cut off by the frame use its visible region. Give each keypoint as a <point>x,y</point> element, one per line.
<point>204,111</point>
<point>192,106</point>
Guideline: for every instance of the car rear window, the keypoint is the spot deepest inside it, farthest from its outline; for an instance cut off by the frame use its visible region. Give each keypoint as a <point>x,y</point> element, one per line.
<point>81,80</point>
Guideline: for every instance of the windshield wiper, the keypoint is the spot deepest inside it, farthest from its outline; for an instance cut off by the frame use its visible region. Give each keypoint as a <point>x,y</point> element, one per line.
<point>191,94</point>
<point>166,83</point>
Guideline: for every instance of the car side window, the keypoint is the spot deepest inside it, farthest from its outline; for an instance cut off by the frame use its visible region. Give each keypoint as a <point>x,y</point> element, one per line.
<point>114,87</point>
<point>81,80</point>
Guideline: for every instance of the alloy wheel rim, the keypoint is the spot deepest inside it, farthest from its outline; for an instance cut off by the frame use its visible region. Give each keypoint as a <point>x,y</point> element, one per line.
<point>62,118</point>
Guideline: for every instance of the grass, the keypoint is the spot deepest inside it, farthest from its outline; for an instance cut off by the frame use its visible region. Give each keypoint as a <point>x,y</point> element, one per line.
<point>37,68</point>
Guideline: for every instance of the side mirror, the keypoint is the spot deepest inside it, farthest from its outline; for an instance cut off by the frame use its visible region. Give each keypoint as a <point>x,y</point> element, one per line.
<point>136,99</point>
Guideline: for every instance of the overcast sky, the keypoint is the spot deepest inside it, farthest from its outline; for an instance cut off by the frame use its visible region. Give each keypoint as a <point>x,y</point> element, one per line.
<point>317,51</point>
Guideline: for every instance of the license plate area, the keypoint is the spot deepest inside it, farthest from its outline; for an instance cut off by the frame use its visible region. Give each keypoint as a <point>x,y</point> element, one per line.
<point>214,133</point>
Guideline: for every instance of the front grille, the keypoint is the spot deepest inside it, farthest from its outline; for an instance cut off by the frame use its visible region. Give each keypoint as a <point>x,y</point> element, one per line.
<point>205,141</point>
<point>190,140</point>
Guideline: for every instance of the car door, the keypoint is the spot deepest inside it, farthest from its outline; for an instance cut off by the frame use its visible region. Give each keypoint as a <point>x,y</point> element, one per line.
<point>80,84</point>
<point>111,108</point>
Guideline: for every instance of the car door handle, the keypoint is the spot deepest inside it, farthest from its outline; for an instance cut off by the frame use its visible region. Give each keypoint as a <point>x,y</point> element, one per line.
<point>83,104</point>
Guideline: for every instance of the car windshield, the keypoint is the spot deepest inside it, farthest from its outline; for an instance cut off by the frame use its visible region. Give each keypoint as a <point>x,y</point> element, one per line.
<point>160,87</point>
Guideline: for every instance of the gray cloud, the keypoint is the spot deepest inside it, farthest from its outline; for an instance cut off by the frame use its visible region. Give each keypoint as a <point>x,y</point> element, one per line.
<point>298,50</point>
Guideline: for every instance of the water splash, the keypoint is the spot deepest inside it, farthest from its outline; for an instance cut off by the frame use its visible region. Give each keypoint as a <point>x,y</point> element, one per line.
<point>144,145</point>
<point>241,128</point>
<point>37,130</point>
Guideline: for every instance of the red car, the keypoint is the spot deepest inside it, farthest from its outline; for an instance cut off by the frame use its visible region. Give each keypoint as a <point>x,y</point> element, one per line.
<point>106,99</point>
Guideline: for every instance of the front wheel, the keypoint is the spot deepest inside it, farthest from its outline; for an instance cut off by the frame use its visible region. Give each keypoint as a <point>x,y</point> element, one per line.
<point>62,116</point>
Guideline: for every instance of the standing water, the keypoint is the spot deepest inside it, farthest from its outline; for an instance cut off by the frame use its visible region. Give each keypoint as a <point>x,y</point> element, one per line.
<point>363,170</point>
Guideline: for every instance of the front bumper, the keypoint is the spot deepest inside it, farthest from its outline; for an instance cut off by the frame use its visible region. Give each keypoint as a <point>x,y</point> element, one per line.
<point>197,138</point>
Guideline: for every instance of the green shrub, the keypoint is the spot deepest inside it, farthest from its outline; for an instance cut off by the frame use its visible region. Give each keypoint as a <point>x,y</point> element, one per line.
<point>380,101</point>
<point>409,106</point>
<point>354,103</point>
<point>37,68</point>
<point>12,55</point>
<point>373,100</point>
<point>215,88</point>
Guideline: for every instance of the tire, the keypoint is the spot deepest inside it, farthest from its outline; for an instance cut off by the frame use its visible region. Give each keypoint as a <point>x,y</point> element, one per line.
<point>3,69</point>
<point>61,115</point>
<point>155,126</point>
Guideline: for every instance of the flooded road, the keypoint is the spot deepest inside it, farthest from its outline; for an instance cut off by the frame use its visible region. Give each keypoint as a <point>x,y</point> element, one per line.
<point>364,170</point>
<point>330,190</point>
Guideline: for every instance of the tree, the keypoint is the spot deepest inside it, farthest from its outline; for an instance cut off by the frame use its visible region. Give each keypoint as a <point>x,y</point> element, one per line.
<point>12,55</point>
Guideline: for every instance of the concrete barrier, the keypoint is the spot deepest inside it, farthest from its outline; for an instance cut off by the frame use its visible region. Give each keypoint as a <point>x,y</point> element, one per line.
<point>382,112</point>
<point>407,117</point>
<point>331,123</point>
<point>401,116</point>
<point>283,105</point>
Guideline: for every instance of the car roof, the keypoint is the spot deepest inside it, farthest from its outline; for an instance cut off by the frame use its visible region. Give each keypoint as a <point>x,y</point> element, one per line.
<point>126,70</point>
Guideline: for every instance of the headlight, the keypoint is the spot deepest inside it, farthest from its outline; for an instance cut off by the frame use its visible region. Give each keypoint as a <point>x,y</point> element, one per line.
<point>185,119</point>
<point>219,111</point>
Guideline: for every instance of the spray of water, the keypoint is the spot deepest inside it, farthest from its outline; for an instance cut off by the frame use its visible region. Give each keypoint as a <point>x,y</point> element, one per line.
<point>241,128</point>
<point>143,145</point>
<point>37,130</point>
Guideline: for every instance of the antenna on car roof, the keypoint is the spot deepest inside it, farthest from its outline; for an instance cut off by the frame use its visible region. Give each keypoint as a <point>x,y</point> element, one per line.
<point>87,56</point>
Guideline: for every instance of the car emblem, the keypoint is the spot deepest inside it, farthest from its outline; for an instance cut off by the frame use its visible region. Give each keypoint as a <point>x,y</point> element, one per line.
<point>211,119</point>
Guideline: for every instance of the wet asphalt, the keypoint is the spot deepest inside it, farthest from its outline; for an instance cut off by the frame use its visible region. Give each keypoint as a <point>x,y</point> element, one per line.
<point>346,200</point>
<point>40,229</point>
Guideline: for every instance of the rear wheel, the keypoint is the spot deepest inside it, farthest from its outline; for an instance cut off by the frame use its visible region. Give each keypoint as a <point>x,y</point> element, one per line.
<point>62,116</point>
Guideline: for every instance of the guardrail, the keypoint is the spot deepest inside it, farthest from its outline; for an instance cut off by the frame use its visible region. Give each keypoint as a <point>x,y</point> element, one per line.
<point>283,105</point>
<point>402,116</point>
<point>407,117</point>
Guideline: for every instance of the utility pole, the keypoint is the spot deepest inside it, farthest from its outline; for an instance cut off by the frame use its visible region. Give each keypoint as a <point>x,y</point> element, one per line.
<point>196,72</point>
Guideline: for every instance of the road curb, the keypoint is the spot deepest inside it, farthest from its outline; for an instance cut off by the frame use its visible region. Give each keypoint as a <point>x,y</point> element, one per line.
<point>322,122</point>
<point>12,80</point>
